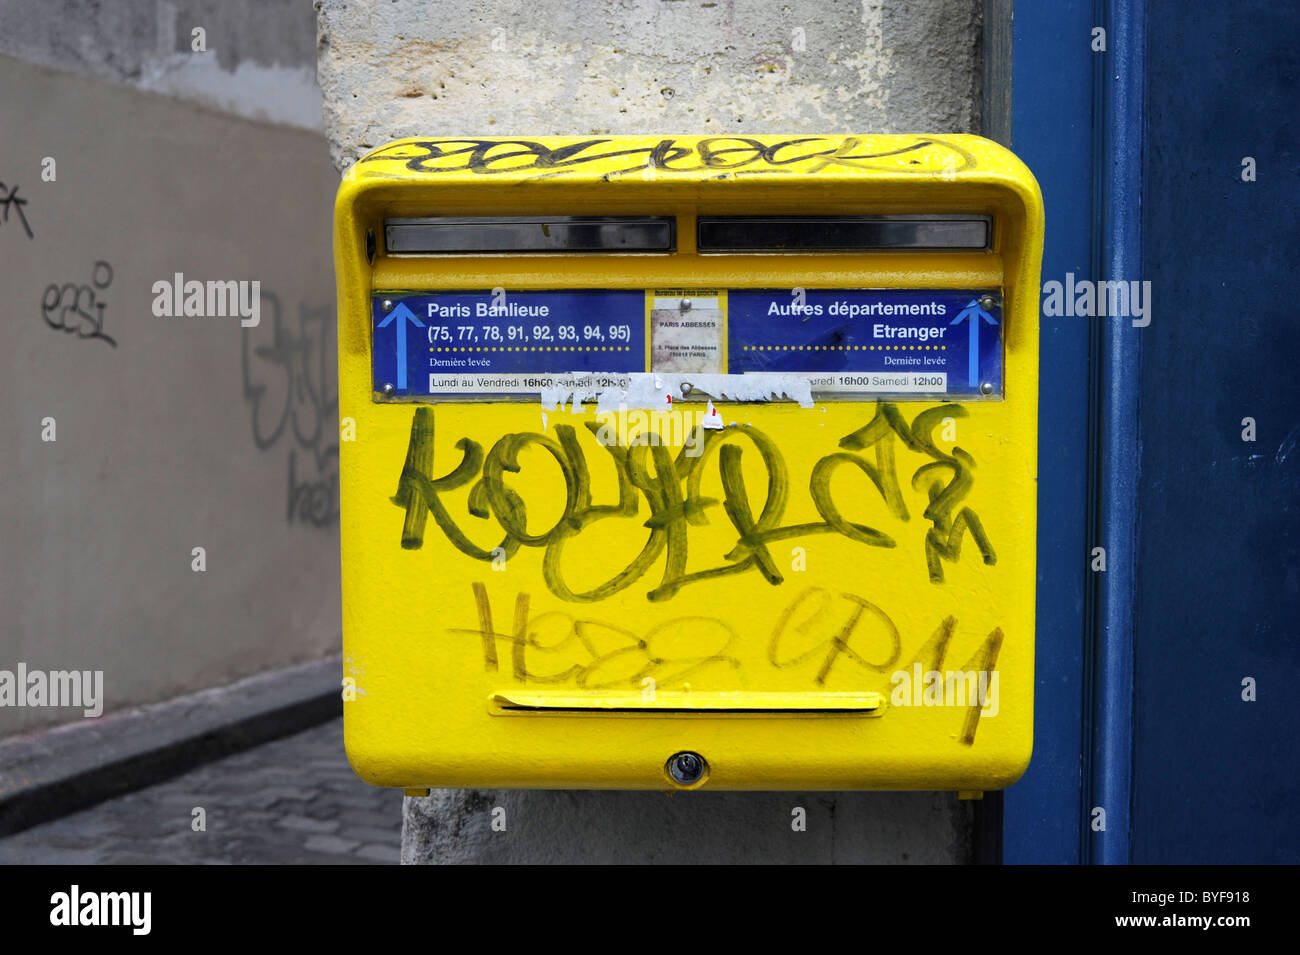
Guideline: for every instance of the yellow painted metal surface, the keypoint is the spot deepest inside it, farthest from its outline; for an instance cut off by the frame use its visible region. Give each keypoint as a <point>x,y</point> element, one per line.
<point>524,606</point>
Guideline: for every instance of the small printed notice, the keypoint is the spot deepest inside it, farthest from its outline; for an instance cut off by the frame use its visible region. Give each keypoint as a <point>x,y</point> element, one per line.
<point>687,330</point>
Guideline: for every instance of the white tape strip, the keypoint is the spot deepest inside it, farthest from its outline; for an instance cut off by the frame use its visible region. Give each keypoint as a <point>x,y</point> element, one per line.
<point>651,391</point>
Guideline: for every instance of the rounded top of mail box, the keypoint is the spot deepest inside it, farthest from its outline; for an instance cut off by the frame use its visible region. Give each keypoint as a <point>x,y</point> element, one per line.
<point>950,164</point>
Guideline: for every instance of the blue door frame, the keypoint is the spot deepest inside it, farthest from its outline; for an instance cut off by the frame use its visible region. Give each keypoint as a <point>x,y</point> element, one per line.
<point>1076,120</point>
<point>1051,130</point>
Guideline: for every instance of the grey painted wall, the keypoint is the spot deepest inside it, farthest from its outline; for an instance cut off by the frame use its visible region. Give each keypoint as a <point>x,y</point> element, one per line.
<point>392,68</point>
<point>179,432</point>
<point>260,59</point>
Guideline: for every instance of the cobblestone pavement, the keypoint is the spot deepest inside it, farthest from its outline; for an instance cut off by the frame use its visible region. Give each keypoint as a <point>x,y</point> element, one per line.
<point>295,800</point>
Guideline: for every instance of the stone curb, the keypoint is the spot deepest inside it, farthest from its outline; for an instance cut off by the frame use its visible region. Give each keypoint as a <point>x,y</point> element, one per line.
<point>55,772</point>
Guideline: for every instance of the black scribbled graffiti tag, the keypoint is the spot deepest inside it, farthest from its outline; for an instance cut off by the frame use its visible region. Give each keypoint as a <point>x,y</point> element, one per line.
<point>670,486</point>
<point>76,309</point>
<point>727,155</point>
<point>290,387</point>
<point>9,200</point>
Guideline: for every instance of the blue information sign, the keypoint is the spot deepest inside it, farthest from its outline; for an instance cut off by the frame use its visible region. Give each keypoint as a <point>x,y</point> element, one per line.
<point>516,343</point>
<point>847,342</point>
<point>870,340</point>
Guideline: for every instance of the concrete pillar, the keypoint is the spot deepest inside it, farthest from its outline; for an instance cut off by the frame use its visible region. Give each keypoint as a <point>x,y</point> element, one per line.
<point>394,68</point>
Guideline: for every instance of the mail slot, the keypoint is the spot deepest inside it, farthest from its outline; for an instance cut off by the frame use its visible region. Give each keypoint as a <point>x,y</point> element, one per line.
<point>682,462</point>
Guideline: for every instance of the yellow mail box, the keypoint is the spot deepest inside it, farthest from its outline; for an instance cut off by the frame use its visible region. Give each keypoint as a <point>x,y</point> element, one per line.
<point>680,462</point>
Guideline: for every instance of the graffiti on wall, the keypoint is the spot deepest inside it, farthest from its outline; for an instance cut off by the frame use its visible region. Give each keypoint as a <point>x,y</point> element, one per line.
<point>77,309</point>
<point>11,201</point>
<point>292,392</point>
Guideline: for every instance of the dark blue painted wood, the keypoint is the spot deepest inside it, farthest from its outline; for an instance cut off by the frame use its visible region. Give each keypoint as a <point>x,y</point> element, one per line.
<point>1051,131</point>
<point>1217,779</point>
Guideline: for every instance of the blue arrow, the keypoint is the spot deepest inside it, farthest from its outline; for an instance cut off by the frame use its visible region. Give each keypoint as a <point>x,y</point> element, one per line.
<point>402,314</point>
<point>974,313</point>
